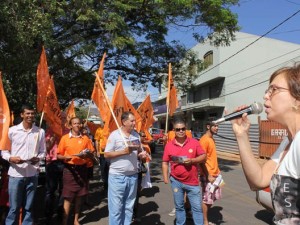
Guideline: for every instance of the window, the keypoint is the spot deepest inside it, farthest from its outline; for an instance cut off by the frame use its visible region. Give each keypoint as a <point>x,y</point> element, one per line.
<point>208,59</point>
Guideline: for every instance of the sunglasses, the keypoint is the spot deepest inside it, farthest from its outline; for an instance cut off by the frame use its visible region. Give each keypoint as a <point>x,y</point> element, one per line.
<point>180,129</point>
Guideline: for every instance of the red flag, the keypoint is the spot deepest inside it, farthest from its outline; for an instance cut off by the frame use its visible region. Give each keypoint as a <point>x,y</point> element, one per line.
<point>98,96</point>
<point>146,112</point>
<point>120,104</point>
<point>4,119</point>
<point>70,112</point>
<point>52,110</point>
<point>172,101</point>
<point>43,80</point>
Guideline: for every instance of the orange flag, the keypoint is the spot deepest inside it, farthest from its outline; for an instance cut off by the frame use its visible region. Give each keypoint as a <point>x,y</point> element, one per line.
<point>93,127</point>
<point>98,95</point>
<point>145,110</point>
<point>43,80</point>
<point>172,101</point>
<point>120,104</point>
<point>52,110</point>
<point>70,112</point>
<point>4,119</point>
<point>12,118</point>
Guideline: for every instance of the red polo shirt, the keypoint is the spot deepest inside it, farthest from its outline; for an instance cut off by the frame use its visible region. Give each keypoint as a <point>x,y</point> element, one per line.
<point>187,174</point>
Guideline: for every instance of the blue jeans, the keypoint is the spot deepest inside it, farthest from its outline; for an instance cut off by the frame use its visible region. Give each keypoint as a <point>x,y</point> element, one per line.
<point>195,197</point>
<point>21,192</point>
<point>121,197</point>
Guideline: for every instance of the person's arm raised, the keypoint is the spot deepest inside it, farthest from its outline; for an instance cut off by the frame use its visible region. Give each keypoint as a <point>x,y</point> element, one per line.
<point>258,177</point>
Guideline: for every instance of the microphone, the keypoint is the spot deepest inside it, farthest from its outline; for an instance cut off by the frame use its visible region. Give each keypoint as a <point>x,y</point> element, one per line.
<point>255,108</point>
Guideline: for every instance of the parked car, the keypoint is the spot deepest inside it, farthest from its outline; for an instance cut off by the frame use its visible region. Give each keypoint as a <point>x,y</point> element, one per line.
<point>157,135</point>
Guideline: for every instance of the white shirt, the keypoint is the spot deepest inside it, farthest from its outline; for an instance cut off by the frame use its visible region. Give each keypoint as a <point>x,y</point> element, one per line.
<point>25,144</point>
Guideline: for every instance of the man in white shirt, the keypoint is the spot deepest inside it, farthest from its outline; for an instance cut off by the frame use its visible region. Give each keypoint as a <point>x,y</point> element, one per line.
<point>27,149</point>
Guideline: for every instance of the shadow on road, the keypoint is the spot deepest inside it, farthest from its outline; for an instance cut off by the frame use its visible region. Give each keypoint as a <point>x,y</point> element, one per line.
<point>265,216</point>
<point>226,165</point>
<point>215,215</point>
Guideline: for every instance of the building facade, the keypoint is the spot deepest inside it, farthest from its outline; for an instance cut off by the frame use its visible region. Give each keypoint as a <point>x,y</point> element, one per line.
<point>235,75</point>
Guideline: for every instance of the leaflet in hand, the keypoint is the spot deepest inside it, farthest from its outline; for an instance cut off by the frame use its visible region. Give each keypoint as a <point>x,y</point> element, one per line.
<point>133,144</point>
<point>178,159</point>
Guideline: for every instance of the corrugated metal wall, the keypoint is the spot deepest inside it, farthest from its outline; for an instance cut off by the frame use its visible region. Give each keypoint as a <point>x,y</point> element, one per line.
<point>226,140</point>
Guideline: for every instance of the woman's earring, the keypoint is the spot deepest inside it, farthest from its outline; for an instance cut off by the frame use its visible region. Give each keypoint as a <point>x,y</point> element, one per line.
<point>295,107</point>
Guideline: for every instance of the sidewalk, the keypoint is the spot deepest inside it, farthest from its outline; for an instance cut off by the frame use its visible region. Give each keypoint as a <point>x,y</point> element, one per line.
<point>236,157</point>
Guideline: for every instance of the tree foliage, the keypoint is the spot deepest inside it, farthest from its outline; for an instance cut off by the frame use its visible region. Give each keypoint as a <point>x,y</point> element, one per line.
<point>77,33</point>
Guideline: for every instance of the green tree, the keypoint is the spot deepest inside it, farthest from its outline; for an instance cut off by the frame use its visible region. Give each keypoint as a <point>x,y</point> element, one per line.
<point>77,33</point>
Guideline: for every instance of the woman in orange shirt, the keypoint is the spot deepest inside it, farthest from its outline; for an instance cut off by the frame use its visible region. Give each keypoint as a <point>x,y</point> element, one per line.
<point>75,175</point>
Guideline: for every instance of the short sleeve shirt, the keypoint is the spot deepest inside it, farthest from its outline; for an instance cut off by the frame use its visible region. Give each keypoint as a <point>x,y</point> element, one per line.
<point>187,174</point>
<point>71,145</point>
<point>125,164</point>
<point>209,146</point>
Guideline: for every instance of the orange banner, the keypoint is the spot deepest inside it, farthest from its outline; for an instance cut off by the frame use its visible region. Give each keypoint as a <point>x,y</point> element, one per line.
<point>43,80</point>
<point>145,110</point>
<point>93,127</point>
<point>98,96</point>
<point>120,104</point>
<point>12,118</point>
<point>70,112</point>
<point>4,119</point>
<point>172,101</point>
<point>52,110</point>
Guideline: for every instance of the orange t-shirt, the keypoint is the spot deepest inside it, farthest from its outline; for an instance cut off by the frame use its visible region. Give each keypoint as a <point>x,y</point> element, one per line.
<point>69,146</point>
<point>209,146</point>
<point>101,137</point>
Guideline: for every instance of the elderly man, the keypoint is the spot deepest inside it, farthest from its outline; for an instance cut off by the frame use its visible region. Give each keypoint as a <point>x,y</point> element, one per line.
<point>27,149</point>
<point>184,154</point>
<point>122,148</point>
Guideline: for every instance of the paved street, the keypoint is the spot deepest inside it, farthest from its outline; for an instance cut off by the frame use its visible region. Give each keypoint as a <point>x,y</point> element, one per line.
<point>238,205</point>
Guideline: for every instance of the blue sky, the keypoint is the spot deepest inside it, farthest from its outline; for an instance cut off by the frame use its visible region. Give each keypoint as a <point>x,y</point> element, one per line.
<point>254,17</point>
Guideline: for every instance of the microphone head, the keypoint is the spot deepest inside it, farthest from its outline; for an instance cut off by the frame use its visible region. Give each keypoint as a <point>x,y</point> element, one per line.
<point>256,108</point>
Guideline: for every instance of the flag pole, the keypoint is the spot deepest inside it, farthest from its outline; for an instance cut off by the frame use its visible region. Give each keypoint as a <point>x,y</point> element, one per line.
<point>88,114</point>
<point>168,100</point>
<point>110,108</point>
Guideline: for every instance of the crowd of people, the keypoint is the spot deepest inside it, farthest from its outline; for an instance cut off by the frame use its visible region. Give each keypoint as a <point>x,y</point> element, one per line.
<point>190,166</point>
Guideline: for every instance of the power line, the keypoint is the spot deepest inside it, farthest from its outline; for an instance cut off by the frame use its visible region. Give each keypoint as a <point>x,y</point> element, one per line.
<point>251,75</point>
<point>260,64</point>
<point>252,42</point>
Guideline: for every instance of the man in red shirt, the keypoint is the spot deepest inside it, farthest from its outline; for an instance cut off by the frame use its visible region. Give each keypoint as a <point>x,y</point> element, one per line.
<point>184,155</point>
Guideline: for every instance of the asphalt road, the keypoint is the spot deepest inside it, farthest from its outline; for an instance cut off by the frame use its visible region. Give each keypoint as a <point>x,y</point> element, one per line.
<point>238,205</point>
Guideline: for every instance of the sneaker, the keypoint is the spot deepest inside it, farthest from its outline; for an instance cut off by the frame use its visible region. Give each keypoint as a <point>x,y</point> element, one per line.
<point>172,213</point>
